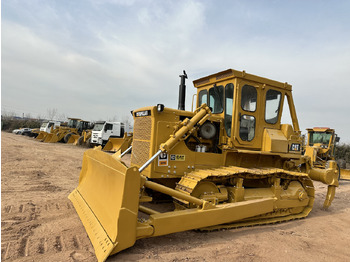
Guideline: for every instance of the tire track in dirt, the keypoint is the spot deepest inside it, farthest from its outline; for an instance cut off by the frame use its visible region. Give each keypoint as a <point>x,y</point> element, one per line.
<point>38,222</point>
<point>22,226</point>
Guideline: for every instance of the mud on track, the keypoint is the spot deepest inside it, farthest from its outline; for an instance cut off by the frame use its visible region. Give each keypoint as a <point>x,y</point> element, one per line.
<point>38,222</point>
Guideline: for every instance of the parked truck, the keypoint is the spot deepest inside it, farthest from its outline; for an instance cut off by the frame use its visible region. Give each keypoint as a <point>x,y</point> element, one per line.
<point>112,136</point>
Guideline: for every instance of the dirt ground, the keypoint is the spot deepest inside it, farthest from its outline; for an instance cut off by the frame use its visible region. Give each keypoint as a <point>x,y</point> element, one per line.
<point>39,223</point>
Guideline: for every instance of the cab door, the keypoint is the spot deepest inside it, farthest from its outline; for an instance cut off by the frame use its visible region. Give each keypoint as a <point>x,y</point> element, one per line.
<point>248,128</point>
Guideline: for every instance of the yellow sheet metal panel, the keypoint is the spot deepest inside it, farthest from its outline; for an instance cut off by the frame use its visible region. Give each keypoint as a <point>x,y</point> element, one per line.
<point>345,174</point>
<point>274,141</point>
<point>170,222</point>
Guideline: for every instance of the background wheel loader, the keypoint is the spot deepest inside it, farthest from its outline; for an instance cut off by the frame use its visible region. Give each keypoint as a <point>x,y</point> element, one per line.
<point>320,147</point>
<point>73,136</point>
<point>229,163</point>
<point>59,134</point>
<point>46,128</point>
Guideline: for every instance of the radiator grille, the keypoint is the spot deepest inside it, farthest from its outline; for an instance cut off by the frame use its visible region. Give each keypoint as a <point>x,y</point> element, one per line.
<point>140,152</point>
<point>142,128</point>
<point>141,141</point>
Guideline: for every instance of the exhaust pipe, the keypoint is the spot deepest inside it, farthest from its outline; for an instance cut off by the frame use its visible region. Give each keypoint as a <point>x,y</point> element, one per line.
<point>182,92</point>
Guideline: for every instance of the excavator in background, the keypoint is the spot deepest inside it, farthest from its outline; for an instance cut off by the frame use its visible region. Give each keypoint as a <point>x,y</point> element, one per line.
<point>320,147</point>
<point>229,163</point>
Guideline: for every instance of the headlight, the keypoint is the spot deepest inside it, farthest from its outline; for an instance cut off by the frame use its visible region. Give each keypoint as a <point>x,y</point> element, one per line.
<point>160,107</point>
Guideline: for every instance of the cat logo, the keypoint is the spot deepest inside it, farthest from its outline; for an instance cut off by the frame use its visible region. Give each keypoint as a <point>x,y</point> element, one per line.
<point>295,147</point>
<point>177,157</point>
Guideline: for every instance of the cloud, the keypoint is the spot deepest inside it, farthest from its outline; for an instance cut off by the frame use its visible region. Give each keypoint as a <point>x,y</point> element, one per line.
<point>102,58</point>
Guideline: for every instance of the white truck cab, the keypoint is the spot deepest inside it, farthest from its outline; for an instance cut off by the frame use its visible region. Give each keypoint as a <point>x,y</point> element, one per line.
<point>46,125</point>
<point>103,130</point>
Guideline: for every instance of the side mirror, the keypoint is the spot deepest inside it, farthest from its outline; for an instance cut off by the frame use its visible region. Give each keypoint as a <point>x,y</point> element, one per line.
<point>337,139</point>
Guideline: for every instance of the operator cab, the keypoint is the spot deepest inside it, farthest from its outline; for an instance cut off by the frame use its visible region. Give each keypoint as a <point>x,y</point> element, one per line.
<point>73,122</point>
<point>249,106</point>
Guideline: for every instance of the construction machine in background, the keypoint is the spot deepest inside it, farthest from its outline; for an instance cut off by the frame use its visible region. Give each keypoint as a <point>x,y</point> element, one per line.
<point>320,147</point>
<point>111,136</point>
<point>46,128</point>
<point>229,163</point>
<point>121,144</point>
<point>83,129</point>
<point>59,134</point>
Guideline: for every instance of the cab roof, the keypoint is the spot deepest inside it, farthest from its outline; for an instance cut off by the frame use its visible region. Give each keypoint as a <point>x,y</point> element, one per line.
<point>320,129</point>
<point>231,73</point>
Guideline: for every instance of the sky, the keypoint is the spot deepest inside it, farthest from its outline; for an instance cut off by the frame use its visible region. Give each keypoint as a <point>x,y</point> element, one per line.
<point>100,59</point>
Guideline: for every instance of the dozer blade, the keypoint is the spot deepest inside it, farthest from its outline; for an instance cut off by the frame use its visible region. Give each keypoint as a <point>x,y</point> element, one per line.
<point>345,174</point>
<point>106,201</point>
<point>73,139</point>
<point>115,144</point>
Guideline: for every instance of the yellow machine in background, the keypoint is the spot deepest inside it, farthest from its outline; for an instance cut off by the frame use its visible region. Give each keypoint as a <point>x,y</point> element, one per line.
<point>320,148</point>
<point>47,127</point>
<point>84,139</point>
<point>73,136</point>
<point>63,130</point>
<point>229,163</point>
<point>115,144</point>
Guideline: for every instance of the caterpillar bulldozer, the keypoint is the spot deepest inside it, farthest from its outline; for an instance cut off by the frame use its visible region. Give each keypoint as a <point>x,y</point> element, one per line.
<point>320,148</point>
<point>229,163</point>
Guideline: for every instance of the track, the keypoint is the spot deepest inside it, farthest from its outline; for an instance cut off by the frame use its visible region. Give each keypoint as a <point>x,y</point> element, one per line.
<point>226,177</point>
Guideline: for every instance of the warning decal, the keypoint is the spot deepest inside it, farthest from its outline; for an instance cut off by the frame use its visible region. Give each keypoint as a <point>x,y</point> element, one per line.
<point>163,159</point>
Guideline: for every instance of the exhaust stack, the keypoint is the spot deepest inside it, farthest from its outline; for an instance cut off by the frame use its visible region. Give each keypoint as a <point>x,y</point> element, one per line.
<point>182,91</point>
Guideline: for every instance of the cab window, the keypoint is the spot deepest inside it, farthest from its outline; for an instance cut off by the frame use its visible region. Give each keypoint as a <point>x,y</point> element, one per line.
<point>320,137</point>
<point>248,104</point>
<point>272,106</point>
<point>216,96</point>
<point>248,98</point>
<point>203,97</point>
<point>247,128</point>
<point>228,108</point>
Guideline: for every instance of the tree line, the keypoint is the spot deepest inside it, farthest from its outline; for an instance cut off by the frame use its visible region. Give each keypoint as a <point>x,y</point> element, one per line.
<point>342,155</point>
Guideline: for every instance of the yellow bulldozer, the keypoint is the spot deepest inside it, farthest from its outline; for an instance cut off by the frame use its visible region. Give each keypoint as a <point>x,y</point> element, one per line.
<point>320,147</point>
<point>229,163</point>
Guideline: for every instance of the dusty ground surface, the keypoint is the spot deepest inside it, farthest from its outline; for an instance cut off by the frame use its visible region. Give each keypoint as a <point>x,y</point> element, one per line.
<point>38,222</point>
